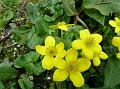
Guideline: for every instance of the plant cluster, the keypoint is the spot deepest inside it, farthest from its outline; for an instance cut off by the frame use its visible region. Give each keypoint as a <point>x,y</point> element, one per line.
<point>59,44</point>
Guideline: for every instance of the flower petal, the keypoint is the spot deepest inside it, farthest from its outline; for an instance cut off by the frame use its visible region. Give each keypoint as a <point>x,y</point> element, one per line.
<point>60,75</point>
<point>60,63</point>
<point>103,55</point>
<point>71,55</point>
<point>96,61</point>
<point>116,41</point>
<point>88,53</point>
<point>61,54</point>
<point>97,48</point>
<point>117,20</point>
<point>84,33</point>
<point>77,79</point>
<point>49,41</point>
<point>97,37</point>
<point>83,64</point>
<point>62,26</point>
<point>77,44</point>
<point>112,23</point>
<point>60,47</point>
<point>48,62</point>
<point>40,49</point>
<point>118,55</point>
<point>117,29</point>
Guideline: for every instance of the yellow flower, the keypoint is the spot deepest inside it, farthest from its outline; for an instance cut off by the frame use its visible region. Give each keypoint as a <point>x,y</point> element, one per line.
<point>89,43</point>
<point>71,67</point>
<point>116,41</point>
<point>115,23</point>
<point>97,57</point>
<point>51,52</point>
<point>62,26</point>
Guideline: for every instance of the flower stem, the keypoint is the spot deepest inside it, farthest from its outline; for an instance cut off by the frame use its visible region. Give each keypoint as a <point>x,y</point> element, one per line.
<point>78,19</point>
<point>62,34</point>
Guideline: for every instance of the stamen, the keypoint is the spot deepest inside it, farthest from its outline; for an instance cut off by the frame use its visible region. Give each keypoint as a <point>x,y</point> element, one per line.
<point>51,51</point>
<point>90,41</point>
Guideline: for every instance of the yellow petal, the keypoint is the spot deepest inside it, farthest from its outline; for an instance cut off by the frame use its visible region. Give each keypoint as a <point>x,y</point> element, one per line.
<point>83,64</point>
<point>60,63</point>
<point>117,29</point>
<point>97,37</point>
<point>48,62</point>
<point>60,47</point>
<point>84,34</point>
<point>117,20</point>
<point>96,61</point>
<point>116,41</point>
<point>71,55</point>
<point>61,54</point>
<point>88,53</point>
<point>40,49</point>
<point>60,75</point>
<point>62,26</point>
<point>118,55</point>
<point>103,55</point>
<point>77,44</point>
<point>112,23</point>
<point>77,79</point>
<point>49,41</point>
<point>97,48</point>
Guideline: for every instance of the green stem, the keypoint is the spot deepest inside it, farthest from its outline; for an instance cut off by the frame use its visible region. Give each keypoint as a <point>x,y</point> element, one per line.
<point>62,34</point>
<point>81,22</point>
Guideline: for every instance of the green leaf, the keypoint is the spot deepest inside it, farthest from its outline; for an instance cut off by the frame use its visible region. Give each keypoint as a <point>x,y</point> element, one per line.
<point>34,68</point>
<point>26,58</point>
<point>112,73</point>
<point>32,12</point>
<point>53,18</point>
<point>6,71</point>
<point>5,17</point>
<point>105,7</point>
<point>33,40</point>
<point>69,7</point>
<point>25,83</point>
<point>20,35</point>
<point>96,15</point>
<point>41,26</point>
<point>1,85</point>
<point>67,43</point>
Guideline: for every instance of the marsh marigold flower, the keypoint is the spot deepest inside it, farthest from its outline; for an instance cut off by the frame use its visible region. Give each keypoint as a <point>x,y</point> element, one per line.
<point>71,67</point>
<point>116,43</point>
<point>97,57</point>
<point>89,43</point>
<point>62,26</point>
<point>51,52</point>
<point>115,23</point>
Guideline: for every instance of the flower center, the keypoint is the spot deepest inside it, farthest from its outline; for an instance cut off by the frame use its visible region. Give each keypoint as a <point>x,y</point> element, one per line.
<point>72,67</point>
<point>90,42</point>
<point>51,51</point>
